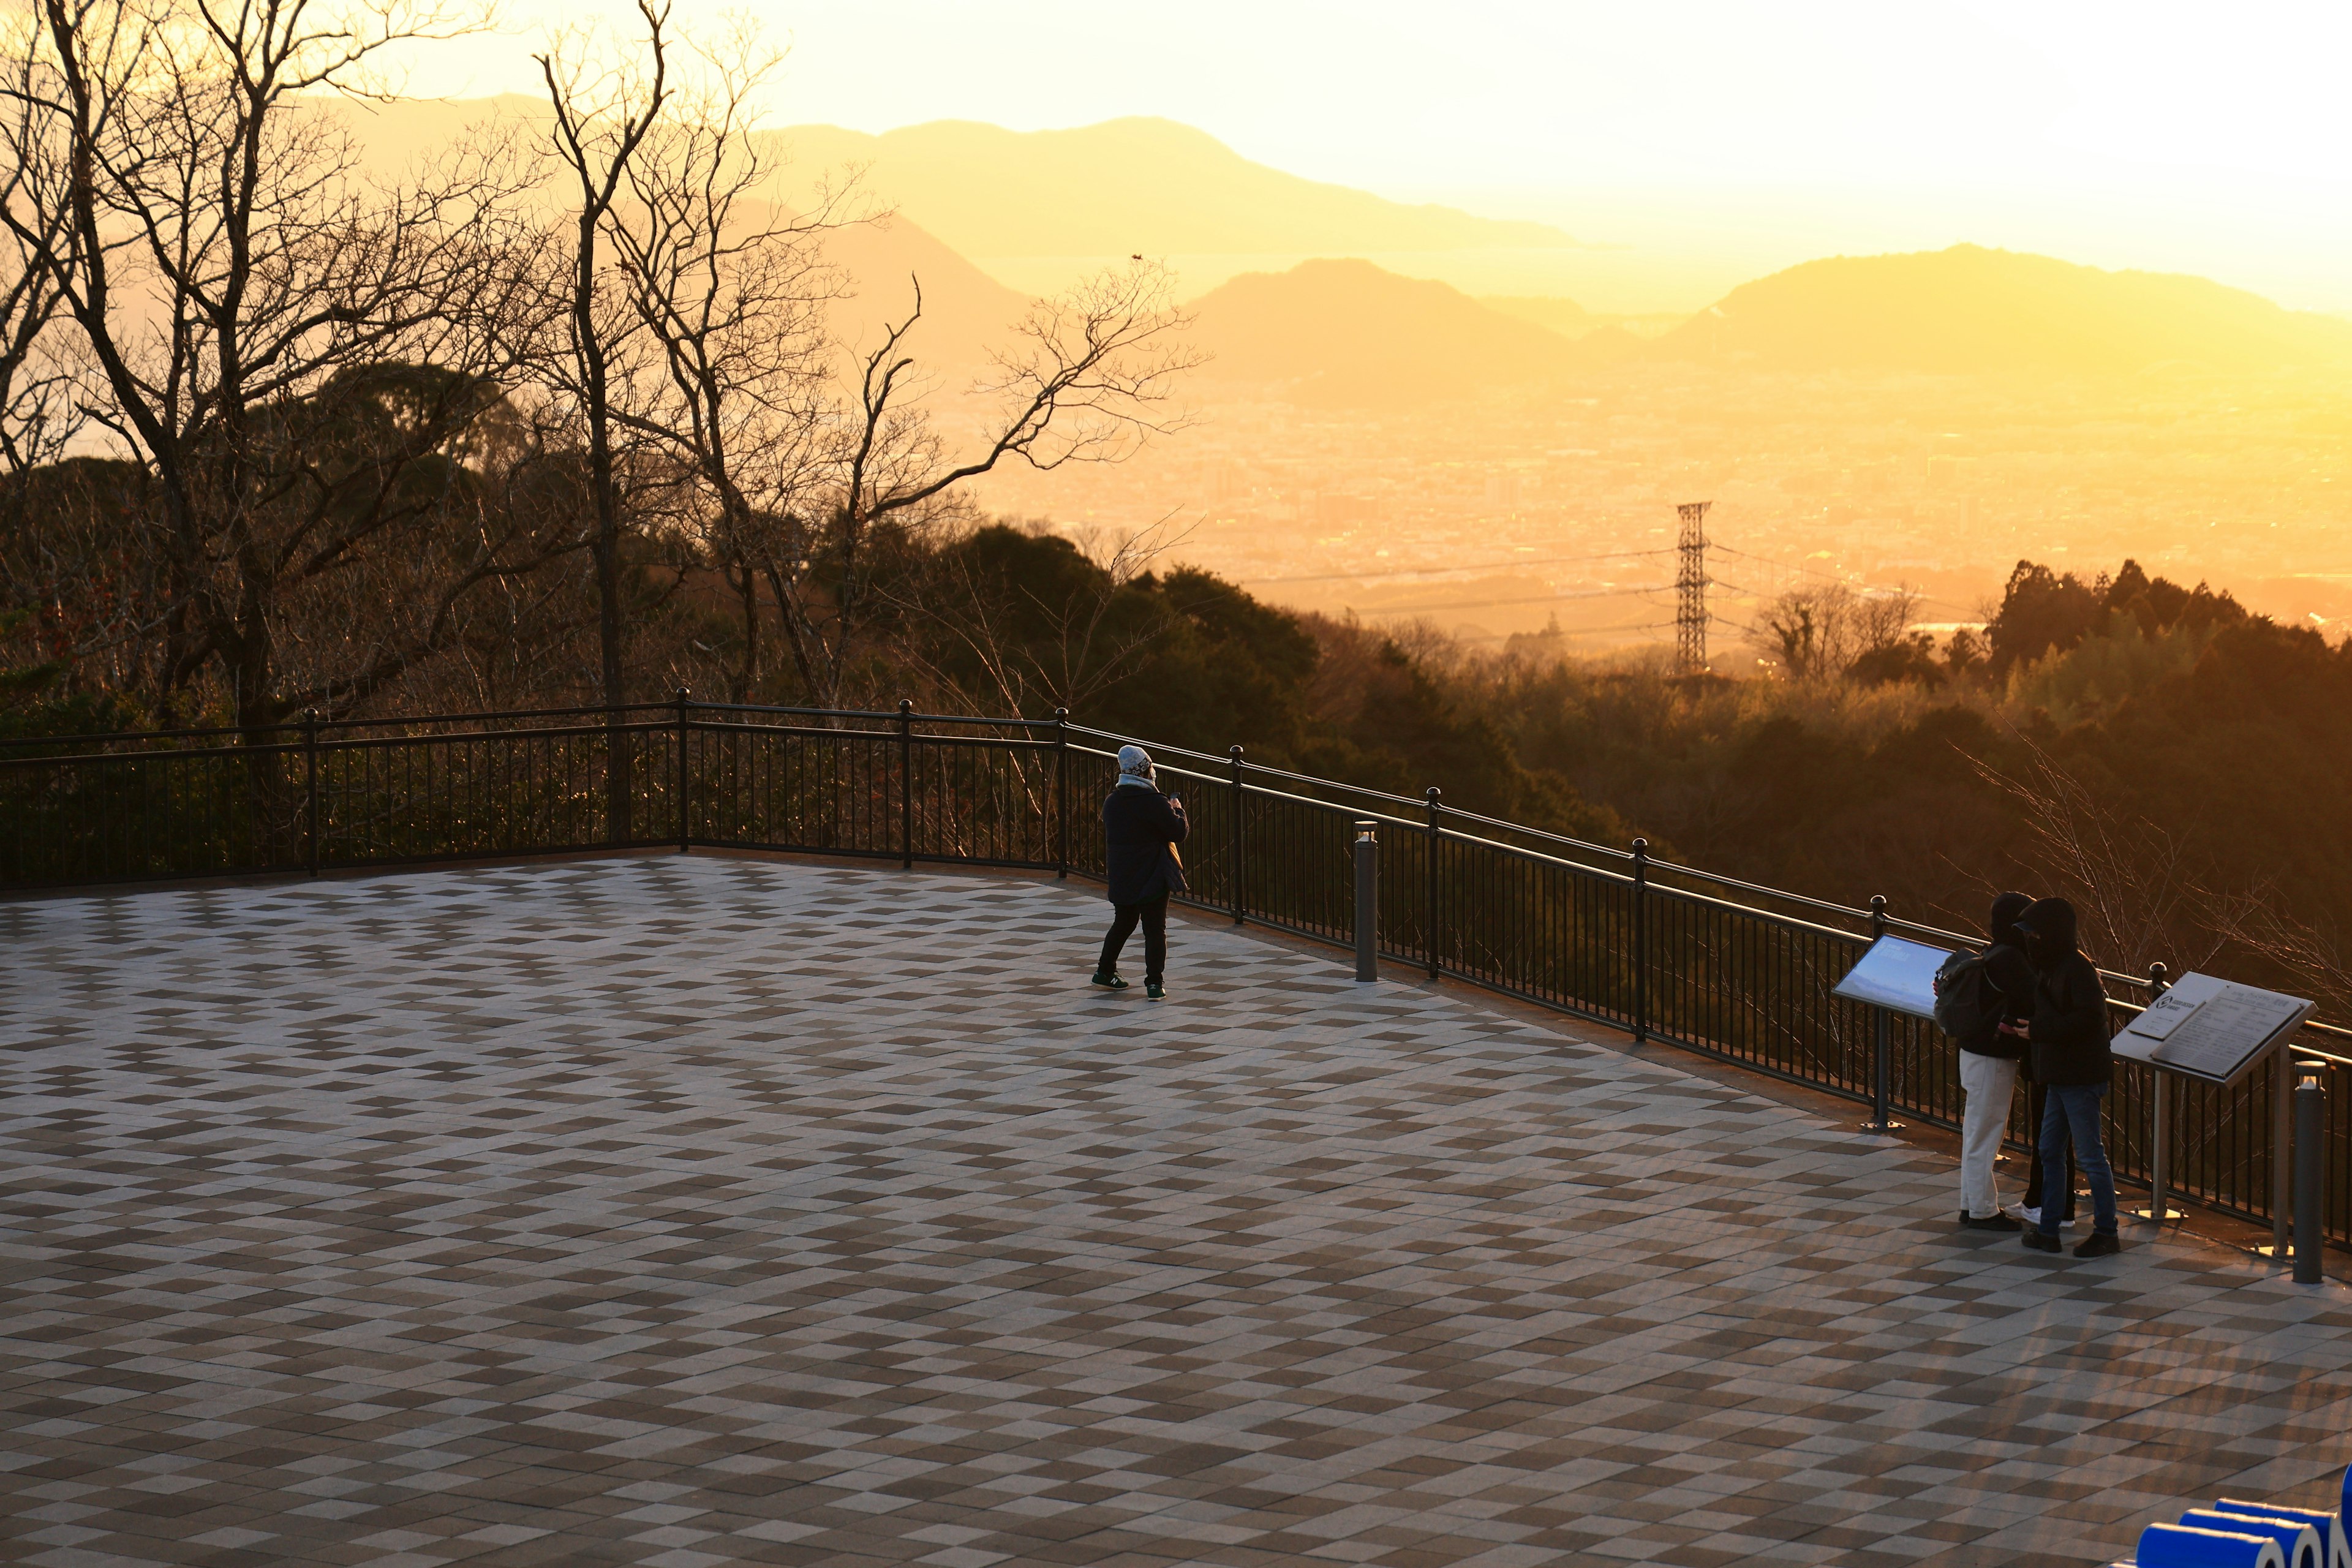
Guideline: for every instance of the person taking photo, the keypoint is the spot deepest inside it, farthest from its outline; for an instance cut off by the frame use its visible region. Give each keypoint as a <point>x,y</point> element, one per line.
<point>2067,1039</point>
<point>1141,828</point>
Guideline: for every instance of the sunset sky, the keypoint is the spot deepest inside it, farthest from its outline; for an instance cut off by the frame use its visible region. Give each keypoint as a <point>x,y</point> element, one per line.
<point>1724,137</point>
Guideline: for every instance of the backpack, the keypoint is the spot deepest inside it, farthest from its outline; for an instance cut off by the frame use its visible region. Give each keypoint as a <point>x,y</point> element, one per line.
<point>1968,1003</point>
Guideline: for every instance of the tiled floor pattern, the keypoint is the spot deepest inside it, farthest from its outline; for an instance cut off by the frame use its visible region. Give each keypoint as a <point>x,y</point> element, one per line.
<point>696,1211</point>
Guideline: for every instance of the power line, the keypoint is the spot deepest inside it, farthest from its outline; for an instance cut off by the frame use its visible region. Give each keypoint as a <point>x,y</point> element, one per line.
<point>1440,571</point>
<point>1533,599</point>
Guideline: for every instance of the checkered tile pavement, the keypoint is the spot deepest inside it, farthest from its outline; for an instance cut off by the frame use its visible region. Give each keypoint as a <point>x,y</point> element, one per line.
<point>690,1211</point>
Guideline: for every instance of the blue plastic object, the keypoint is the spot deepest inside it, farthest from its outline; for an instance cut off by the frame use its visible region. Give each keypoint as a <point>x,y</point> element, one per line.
<point>2178,1546</point>
<point>2335,1545</point>
<point>2297,1539</point>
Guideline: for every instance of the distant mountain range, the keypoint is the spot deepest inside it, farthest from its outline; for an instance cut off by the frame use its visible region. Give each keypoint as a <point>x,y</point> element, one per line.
<point>1342,330</point>
<point>1970,309</point>
<point>1128,186</point>
<point>1345,332</point>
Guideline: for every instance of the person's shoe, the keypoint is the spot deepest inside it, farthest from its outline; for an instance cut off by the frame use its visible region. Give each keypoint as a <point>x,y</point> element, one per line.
<point>2030,1216</point>
<point>1111,982</point>
<point>2041,1243</point>
<point>1154,990</point>
<point>2099,1245</point>
<point>1989,1222</point>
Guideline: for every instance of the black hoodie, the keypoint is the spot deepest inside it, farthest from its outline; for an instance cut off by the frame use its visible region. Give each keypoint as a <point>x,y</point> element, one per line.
<point>2012,976</point>
<point>2069,1031</point>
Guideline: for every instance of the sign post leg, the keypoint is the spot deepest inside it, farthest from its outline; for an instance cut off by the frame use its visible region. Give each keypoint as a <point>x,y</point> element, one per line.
<point>2160,1210</point>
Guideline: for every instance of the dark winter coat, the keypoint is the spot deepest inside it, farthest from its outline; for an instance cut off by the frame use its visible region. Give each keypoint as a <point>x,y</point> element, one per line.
<point>2012,976</point>
<point>2069,1031</point>
<point>1141,828</point>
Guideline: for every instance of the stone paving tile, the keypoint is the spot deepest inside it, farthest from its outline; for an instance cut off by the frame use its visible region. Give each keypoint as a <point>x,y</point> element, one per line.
<point>687,1210</point>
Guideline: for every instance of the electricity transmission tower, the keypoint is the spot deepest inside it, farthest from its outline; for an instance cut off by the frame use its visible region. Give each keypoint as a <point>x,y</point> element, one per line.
<point>1690,588</point>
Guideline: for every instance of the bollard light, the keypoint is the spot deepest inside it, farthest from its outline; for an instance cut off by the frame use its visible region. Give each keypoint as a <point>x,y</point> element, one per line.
<point>1368,901</point>
<point>2310,1172</point>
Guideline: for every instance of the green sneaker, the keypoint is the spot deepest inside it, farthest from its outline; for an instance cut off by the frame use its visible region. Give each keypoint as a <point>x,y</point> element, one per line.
<point>1111,982</point>
<point>1153,989</point>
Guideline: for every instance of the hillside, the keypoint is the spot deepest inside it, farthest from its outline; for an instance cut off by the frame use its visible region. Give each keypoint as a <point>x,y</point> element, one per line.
<point>965,311</point>
<point>1344,333</point>
<point>1128,185</point>
<point>1970,309</point>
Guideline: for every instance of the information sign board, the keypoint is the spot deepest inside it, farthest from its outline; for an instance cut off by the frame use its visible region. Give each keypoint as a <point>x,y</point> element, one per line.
<point>2211,1028</point>
<point>1897,975</point>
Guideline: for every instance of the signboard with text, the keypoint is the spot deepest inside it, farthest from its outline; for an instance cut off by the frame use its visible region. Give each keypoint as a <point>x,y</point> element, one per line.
<point>2210,1029</point>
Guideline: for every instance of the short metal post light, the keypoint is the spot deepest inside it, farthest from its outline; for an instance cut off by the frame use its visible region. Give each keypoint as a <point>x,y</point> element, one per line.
<point>1368,901</point>
<point>2310,1172</point>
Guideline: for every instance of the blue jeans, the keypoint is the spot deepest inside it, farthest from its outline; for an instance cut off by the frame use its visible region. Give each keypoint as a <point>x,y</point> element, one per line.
<point>2073,1109</point>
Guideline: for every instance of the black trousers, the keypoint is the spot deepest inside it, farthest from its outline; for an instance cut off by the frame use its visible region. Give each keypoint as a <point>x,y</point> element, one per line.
<point>2036,1098</point>
<point>1153,913</point>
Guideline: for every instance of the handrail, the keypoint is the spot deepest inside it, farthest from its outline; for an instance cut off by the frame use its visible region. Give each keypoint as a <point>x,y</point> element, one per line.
<point>292,738</point>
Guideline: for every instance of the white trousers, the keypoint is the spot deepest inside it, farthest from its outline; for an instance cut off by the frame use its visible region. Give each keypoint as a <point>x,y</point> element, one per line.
<point>1987,1081</point>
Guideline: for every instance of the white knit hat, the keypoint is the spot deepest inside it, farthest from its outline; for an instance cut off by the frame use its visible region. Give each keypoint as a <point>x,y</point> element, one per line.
<point>1134,761</point>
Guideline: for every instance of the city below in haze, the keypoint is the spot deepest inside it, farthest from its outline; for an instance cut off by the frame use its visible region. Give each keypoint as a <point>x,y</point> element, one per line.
<point>1368,434</point>
<point>1376,426</point>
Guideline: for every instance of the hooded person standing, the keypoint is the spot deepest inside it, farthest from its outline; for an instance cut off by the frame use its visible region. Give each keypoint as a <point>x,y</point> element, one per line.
<point>1988,1063</point>
<point>2067,1039</point>
<point>1141,828</point>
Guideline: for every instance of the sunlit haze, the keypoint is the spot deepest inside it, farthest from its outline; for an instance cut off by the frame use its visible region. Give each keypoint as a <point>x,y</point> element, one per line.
<point>1720,139</point>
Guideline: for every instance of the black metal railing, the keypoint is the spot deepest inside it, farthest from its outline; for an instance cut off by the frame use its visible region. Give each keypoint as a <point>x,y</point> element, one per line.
<point>1732,969</point>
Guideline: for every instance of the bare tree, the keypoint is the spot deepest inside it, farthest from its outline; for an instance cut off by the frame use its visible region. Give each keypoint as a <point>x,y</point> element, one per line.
<point>241,290</point>
<point>730,288</point>
<point>1818,631</point>
<point>39,413</point>
<point>1040,648</point>
<point>2134,890</point>
<point>1811,630</point>
<point>606,102</point>
<point>1090,377</point>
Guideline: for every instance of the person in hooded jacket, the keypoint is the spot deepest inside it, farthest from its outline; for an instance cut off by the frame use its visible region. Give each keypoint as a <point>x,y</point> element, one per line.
<point>1988,1061</point>
<point>2067,1039</point>
<point>1141,828</point>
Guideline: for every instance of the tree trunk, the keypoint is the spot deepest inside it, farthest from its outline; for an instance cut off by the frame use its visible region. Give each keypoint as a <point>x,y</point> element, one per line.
<point>747,588</point>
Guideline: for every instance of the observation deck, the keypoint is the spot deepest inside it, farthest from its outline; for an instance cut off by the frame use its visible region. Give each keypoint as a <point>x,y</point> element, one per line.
<point>691,1210</point>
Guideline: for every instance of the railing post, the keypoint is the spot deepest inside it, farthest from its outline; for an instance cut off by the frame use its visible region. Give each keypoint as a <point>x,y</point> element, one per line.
<point>1368,901</point>
<point>2281,1148</point>
<point>1432,927</point>
<point>684,829</point>
<point>1240,798</point>
<point>2160,1158</point>
<point>1640,941</point>
<point>2310,1172</point>
<point>1062,793</point>
<point>1882,1052</point>
<point>906,784</point>
<point>310,789</point>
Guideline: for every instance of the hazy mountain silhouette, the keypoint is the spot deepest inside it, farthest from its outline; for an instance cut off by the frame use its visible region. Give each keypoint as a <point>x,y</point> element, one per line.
<point>965,311</point>
<point>1970,309</point>
<point>1345,332</point>
<point>1145,185</point>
